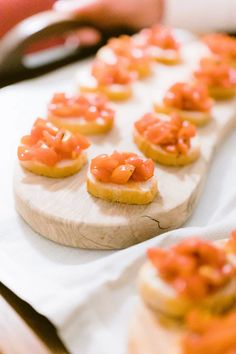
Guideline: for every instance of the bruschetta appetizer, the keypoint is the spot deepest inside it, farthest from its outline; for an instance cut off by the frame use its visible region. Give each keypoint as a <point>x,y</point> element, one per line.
<point>167,139</point>
<point>122,177</point>
<point>87,114</point>
<point>190,100</point>
<point>125,47</point>
<point>52,152</point>
<point>218,76</point>
<point>193,273</point>
<point>222,45</point>
<point>161,44</point>
<point>206,333</point>
<point>188,299</point>
<point>113,79</point>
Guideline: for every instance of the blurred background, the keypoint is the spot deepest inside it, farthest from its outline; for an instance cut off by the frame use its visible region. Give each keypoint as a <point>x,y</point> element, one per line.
<point>41,35</point>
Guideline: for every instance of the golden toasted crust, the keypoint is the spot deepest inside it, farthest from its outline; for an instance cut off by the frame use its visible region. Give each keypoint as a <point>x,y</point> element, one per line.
<point>161,297</point>
<point>77,126</point>
<point>144,71</point>
<point>130,193</point>
<point>167,57</point>
<point>161,156</point>
<point>113,92</point>
<point>222,93</point>
<point>197,118</point>
<point>61,169</point>
<point>233,63</point>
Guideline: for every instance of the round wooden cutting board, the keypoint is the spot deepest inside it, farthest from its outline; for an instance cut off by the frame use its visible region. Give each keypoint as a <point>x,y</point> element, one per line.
<point>63,211</point>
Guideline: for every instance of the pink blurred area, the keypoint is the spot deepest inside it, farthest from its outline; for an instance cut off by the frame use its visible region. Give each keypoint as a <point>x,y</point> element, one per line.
<point>14,11</point>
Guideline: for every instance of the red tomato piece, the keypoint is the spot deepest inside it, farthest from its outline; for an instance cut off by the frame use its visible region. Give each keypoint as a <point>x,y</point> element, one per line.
<point>122,174</point>
<point>104,162</point>
<point>45,154</point>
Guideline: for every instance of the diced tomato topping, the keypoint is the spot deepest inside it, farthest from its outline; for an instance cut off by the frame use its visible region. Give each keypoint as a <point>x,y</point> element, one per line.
<point>188,97</point>
<point>45,154</point>
<point>88,106</point>
<point>143,170</point>
<point>215,72</point>
<point>121,167</point>
<point>208,333</point>
<point>170,133</point>
<point>195,268</point>
<point>105,162</point>
<point>116,73</point>
<point>122,173</point>
<point>160,36</point>
<point>126,47</point>
<point>48,144</point>
<point>222,45</point>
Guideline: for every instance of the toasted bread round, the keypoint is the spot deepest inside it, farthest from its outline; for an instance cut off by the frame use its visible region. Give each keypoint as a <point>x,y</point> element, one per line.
<point>63,168</point>
<point>197,118</point>
<point>222,93</point>
<point>129,193</point>
<point>163,298</point>
<point>81,125</point>
<point>165,56</point>
<point>163,157</point>
<point>115,92</point>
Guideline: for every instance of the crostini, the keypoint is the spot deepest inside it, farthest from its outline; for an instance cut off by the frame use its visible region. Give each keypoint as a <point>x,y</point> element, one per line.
<point>87,114</point>
<point>52,152</point>
<point>218,76</point>
<point>122,177</point>
<point>125,47</point>
<point>222,45</point>
<point>190,100</point>
<point>161,44</point>
<point>192,273</point>
<point>209,334</point>
<point>167,139</point>
<point>113,79</point>
<point>188,298</point>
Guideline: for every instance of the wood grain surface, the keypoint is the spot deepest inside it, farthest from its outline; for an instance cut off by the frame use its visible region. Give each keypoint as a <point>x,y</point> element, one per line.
<point>63,211</point>
<point>151,334</point>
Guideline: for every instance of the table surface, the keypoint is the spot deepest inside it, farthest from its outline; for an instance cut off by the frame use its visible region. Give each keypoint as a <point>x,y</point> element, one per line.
<point>23,330</point>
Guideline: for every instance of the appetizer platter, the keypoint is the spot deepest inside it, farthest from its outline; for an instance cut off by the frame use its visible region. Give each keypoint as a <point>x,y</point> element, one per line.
<point>123,157</point>
<point>187,299</point>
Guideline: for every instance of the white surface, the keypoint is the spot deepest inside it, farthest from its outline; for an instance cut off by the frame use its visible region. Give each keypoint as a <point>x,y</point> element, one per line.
<point>88,295</point>
<point>196,15</point>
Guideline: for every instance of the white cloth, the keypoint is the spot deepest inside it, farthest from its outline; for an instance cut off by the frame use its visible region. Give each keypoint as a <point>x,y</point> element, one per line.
<point>201,15</point>
<point>88,295</point>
